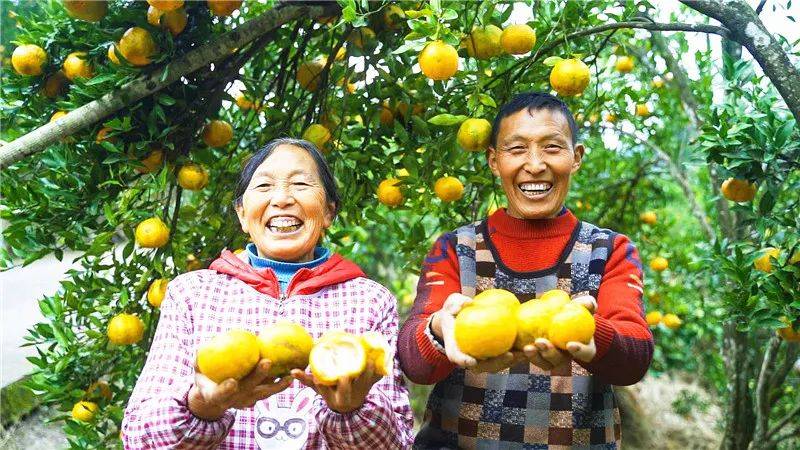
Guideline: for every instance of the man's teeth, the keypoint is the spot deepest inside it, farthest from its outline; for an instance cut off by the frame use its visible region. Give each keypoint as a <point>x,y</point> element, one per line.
<point>535,188</point>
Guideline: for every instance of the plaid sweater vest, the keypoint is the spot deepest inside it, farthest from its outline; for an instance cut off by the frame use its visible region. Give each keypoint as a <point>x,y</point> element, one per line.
<point>525,407</point>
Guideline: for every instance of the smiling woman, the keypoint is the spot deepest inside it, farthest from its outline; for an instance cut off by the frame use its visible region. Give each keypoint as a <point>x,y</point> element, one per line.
<point>285,200</point>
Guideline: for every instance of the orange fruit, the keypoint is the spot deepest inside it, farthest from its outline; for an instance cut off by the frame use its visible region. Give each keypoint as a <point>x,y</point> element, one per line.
<point>102,135</point>
<point>764,262</point>
<point>362,38</point>
<point>657,83</point>
<point>84,411</point>
<point>738,190</point>
<point>192,263</point>
<point>28,59</point>
<point>569,77</point>
<point>496,298</point>
<point>387,115</point>
<point>157,291</point>
<point>217,133</point>
<point>193,177</point>
<point>378,352</point>
<point>76,65</point>
<point>659,263</point>
<point>624,64</point>
<point>438,61</point>
<point>610,117</point>
<point>317,134</point>
<point>174,21</point>
<point>485,331</point>
<point>642,110</point>
<point>99,389</point>
<point>125,329</point>
<point>518,39</point>
<point>533,318</point>
<point>448,189</point>
<point>137,46</point>
<point>483,42</point>
<point>389,193</point>
<point>393,17</point>
<point>223,8</point>
<point>287,346</point>
<point>57,115</point>
<point>55,85</point>
<point>152,161</point>
<point>648,217</point>
<point>233,354</point>
<point>112,54</point>
<point>573,323</point>
<point>151,233</point>
<point>788,333</point>
<point>88,10</point>
<point>165,5</point>
<point>309,74</point>
<point>474,134</point>
<point>335,355</point>
<point>671,321</point>
<point>653,318</point>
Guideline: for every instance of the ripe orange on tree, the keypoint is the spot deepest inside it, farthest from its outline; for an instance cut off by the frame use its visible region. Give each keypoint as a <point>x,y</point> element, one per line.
<point>448,189</point>
<point>217,133</point>
<point>474,134</point>
<point>112,53</point>
<point>518,39</point>
<point>764,262</point>
<point>438,60</point>
<point>152,161</point>
<point>624,64</point>
<point>151,233</point>
<point>55,85</point>
<point>125,329</point>
<point>28,59</point>
<point>648,217</point>
<point>88,10</point>
<point>642,110</point>
<point>174,21</point>
<point>309,74</point>
<point>157,291</point>
<point>569,77</point>
<point>77,66</point>
<point>137,46</point>
<point>671,321</point>
<point>483,42</point>
<point>166,5</point>
<point>788,333</point>
<point>84,411</point>
<point>317,134</point>
<point>192,177</point>
<point>738,190</point>
<point>659,263</point>
<point>653,318</point>
<point>223,8</point>
<point>389,193</point>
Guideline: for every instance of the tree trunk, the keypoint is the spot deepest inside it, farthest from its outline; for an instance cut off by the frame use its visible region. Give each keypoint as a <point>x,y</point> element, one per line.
<point>91,113</point>
<point>748,30</point>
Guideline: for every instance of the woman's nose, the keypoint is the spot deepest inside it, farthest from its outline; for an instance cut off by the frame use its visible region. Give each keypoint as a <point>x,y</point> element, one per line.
<point>281,196</point>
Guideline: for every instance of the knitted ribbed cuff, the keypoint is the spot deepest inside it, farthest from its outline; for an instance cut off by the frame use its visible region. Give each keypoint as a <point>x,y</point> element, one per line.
<point>603,336</point>
<point>428,351</point>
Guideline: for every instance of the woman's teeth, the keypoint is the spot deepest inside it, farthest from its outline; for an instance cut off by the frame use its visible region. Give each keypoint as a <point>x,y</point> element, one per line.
<point>284,224</point>
<point>535,189</point>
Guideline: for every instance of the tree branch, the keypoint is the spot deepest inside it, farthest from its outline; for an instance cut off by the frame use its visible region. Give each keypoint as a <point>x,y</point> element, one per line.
<point>698,212</point>
<point>747,29</point>
<point>772,436</point>
<point>93,112</point>
<point>762,400</point>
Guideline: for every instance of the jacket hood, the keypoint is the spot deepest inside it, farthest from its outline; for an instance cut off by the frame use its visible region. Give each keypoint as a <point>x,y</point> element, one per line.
<point>335,270</point>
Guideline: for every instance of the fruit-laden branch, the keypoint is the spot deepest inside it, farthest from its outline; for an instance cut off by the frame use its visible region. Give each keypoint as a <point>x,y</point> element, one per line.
<point>91,113</point>
<point>698,212</point>
<point>652,26</point>
<point>748,30</point>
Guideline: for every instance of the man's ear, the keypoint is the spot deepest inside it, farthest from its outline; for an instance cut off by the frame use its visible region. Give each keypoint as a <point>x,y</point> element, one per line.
<point>240,213</point>
<point>491,158</point>
<point>578,157</point>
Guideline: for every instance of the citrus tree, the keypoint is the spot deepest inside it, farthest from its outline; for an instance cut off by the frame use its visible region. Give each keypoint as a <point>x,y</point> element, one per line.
<point>127,124</point>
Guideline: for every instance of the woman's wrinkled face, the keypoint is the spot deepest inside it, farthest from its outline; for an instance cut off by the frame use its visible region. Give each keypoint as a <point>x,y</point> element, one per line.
<point>534,160</point>
<point>284,208</point>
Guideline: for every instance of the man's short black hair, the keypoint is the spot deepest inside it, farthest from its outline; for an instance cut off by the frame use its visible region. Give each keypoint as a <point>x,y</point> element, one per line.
<point>323,170</point>
<point>532,101</point>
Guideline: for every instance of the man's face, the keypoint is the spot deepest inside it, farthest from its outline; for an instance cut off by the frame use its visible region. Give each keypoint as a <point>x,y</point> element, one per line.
<point>534,159</point>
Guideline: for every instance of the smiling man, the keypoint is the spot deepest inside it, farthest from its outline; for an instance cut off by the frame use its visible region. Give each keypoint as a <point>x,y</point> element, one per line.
<point>542,396</point>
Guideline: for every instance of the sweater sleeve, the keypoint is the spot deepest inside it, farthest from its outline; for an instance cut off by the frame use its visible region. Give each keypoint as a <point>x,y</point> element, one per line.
<point>385,420</point>
<point>157,415</point>
<point>624,341</point>
<point>420,360</point>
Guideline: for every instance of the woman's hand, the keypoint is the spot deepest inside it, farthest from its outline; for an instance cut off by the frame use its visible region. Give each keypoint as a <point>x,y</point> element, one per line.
<point>209,400</point>
<point>347,395</point>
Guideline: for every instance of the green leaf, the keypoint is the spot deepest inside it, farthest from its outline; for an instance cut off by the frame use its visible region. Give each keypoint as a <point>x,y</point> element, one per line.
<point>447,119</point>
<point>552,61</point>
<point>487,100</point>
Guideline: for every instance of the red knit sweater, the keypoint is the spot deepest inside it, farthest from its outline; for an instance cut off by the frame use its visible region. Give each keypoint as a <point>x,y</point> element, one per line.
<point>624,342</point>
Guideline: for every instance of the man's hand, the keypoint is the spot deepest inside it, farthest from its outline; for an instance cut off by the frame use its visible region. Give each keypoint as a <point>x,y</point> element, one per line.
<point>209,400</point>
<point>347,395</point>
<point>443,326</point>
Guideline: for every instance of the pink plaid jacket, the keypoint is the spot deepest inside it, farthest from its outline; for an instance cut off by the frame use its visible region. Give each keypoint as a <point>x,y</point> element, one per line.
<point>199,305</point>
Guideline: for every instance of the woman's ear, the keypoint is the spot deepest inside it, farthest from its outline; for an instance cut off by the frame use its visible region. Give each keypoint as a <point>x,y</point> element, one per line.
<point>329,215</point>
<point>240,214</point>
<point>578,157</point>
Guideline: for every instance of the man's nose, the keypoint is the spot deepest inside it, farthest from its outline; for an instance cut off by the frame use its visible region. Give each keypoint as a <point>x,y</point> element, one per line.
<point>535,162</point>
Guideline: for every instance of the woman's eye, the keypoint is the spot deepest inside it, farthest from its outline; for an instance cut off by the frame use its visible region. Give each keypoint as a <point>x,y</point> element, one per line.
<point>264,185</point>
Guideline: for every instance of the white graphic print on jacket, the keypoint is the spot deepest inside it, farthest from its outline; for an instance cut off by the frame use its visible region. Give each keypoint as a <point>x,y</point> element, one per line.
<point>284,428</point>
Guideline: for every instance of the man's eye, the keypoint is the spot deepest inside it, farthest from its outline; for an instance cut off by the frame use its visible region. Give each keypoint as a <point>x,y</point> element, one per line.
<point>554,147</point>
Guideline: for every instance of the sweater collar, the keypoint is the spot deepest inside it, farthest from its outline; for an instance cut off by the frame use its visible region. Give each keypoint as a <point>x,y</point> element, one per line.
<point>561,225</point>
<point>321,255</point>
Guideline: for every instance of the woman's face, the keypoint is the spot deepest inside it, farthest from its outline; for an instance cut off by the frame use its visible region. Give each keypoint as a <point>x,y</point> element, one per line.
<point>534,160</point>
<point>284,209</point>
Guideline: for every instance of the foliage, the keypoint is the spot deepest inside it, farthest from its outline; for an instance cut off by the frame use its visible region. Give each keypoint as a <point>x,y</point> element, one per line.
<point>87,196</point>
